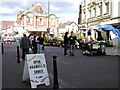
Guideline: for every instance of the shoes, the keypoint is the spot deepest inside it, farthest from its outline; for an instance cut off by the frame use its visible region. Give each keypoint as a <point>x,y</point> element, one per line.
<point>22,60</point>
<point>66,55</point>
<point>72,55</point>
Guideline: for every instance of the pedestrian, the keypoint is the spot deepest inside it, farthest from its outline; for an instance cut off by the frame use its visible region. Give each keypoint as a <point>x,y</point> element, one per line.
<point>31,37</point>
<point>90,43</point>
<point>40,40</point>
<point>72,40</point>
<point>34,45</point>
<point>43,42</point>
<point>25,45</point>
<point>66,43</point>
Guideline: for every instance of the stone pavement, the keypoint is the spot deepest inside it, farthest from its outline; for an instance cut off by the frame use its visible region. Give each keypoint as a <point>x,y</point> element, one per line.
<point>0,67</point>
<point>0,48</point>
<point>13,71</point>
<point>73,72</point>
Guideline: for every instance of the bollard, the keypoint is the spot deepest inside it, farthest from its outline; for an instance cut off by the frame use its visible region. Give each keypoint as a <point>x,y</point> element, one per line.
<point>18,55</point>
<point>55,75</point>
<point>2,48</point>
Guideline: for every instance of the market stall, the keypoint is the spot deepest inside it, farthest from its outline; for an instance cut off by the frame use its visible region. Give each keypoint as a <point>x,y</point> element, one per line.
<point>113,38</point>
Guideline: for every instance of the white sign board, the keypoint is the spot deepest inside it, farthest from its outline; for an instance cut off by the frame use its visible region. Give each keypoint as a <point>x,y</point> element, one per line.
<point>37,70</point>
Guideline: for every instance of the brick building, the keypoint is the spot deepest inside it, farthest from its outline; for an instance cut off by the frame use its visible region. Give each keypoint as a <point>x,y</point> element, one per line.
<point>35,19</point>
<point>6,27</point>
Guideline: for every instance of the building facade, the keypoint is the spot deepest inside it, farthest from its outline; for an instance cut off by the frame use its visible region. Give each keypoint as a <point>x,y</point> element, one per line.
<point>99,12</point>
<point>67,27</point>
<point>6,27</point>
<point>37,19</point>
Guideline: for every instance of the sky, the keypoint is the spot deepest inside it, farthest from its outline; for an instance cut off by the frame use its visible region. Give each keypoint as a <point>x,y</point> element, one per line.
<point>66,10</point>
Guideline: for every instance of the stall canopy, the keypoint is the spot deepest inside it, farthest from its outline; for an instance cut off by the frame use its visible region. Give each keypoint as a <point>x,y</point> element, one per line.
<point>118,27</point>
<point>110,28</point>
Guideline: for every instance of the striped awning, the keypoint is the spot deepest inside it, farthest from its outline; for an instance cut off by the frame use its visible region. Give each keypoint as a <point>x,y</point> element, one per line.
<point>36,29</point>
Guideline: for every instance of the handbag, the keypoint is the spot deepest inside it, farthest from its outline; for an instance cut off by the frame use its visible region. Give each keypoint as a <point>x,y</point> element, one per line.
<point>30,51</point>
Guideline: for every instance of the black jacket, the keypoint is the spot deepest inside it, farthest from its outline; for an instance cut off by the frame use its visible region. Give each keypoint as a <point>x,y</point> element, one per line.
<point>40,40</point>
<point>66,40</point>
<point>72,40</point>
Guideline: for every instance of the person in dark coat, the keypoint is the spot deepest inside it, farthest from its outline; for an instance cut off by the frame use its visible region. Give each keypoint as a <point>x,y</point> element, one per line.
<point>25,45</point>
<point>66,39</point>
<point>43,42</point>
<point>34,44</point>
<point>72,40</point>
<point>40,40</point>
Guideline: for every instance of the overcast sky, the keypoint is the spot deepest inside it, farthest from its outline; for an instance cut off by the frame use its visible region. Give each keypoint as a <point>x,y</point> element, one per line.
<point>66,10</point>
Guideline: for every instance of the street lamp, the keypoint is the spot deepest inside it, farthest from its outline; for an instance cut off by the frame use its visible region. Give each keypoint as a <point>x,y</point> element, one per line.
<point>48,29</point>
<point>6,29</point>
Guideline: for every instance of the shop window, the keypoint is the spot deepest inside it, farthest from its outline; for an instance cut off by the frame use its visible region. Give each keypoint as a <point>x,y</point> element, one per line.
<point>41,21</point>
<point>29,20</point>
<point>107,7</point>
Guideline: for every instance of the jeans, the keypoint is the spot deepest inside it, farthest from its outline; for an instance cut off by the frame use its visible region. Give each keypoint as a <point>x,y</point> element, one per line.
<point>65,49</point>
<point>40,48</point>
<point>72,48</point>
<point>24,52</point>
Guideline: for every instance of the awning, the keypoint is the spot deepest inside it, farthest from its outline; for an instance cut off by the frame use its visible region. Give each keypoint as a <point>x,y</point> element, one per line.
<point>118,26</point>
<point>110,28</point>
<point>36,29</point>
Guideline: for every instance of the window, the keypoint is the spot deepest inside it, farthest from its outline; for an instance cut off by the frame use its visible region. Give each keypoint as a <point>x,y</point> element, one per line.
<point>72,29</point>
<point>94,12</point>
<point>84,2</point>
<point>84,15</point>
<point>107,7</point>
<point>98,11</point>
<point>29,20</point>
<point>73,26</point>
<point>41,21</point>
<point>68,29</point>
<point>101,10</point>
<point>88,13</point>
<point>52,22</point>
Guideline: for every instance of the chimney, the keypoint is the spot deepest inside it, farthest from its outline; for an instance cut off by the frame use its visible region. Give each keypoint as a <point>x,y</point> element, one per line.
<point>80,14</point>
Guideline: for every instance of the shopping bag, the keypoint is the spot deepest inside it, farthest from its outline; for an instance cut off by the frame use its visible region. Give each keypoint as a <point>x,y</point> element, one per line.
<point>30,51</point>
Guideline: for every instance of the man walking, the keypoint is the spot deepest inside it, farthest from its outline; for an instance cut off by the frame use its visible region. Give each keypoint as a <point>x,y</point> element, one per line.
<point>40,40</point>
<point>66,42</point>
<point>25,45</point>
<point>72,40</point>
<point>34,45</point>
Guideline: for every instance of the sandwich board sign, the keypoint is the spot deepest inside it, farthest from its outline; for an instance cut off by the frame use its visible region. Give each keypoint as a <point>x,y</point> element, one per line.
<point>36,65</point>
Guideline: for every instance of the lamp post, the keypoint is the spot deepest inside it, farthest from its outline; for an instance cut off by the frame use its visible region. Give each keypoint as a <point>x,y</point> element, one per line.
<point>36,22</point>
<point>48,28</point>
<point>79,31</point>
<point>6,29</point>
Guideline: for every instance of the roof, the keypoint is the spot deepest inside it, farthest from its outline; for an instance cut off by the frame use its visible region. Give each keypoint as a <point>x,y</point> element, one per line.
<point>35,9</point>
<point>66,23</point>
<point>6,24</point>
